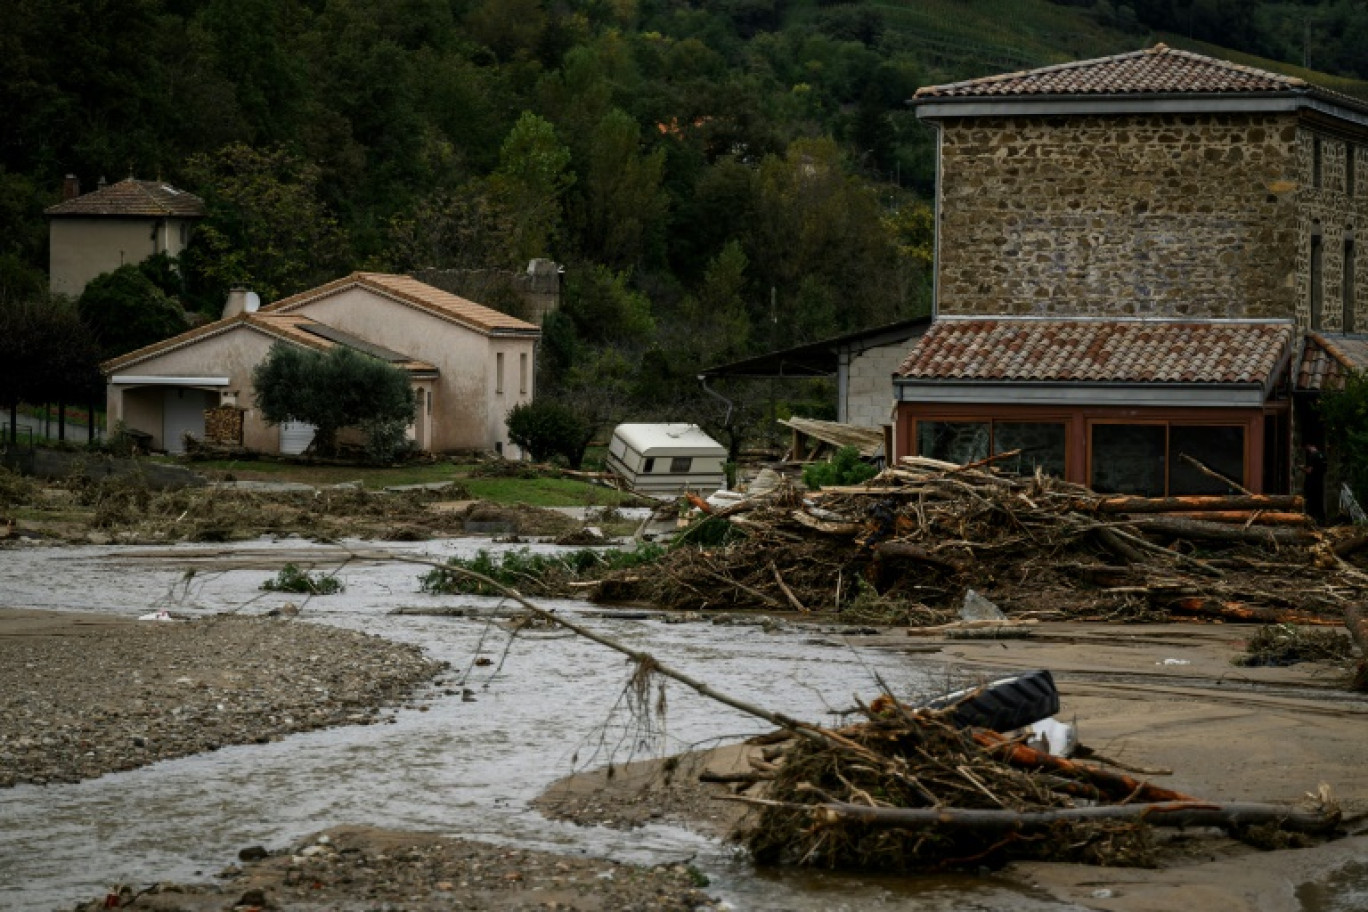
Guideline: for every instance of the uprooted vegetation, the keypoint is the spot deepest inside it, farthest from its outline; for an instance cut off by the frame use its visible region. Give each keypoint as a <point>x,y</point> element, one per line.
<point>908,790</point>
<point>909,543</point>
<point>126,508</point>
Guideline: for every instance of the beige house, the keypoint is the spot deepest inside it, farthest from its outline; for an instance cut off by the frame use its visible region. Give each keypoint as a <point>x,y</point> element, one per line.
<point>1129,251</point>
<point>469,365</point>
<point>117,224</point>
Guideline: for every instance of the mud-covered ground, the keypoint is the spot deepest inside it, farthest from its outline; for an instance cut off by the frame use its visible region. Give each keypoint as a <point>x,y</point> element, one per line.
<point>84,695</point>
<point>123,510</point>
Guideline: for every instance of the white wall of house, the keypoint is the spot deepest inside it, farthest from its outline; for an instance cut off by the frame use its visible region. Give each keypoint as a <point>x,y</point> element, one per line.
<point>231,354</point>
<point>470,408</point>
<point>82,248</point>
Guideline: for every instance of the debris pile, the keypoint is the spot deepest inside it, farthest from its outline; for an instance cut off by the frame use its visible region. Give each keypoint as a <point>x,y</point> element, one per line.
<point>908,790</point>
<point>904,547</point>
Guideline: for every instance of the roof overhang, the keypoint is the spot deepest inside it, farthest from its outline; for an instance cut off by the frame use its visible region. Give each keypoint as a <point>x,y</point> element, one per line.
<point>820,359</point>
<point>1072,394</point>
<point>154,380</point>
<point>1055,105</point>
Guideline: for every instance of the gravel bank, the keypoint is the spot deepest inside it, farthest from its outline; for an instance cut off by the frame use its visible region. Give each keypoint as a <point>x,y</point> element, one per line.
<point>361,869</point>
<point>81,696</point>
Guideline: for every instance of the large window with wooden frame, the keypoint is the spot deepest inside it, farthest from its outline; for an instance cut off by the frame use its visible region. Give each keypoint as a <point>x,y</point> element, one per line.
<point>1035,444</point>
<point>1160,459</point>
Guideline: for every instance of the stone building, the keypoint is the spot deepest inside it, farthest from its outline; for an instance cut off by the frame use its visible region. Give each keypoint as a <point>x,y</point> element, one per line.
<point>115,224</point>
<point>1129,251</point>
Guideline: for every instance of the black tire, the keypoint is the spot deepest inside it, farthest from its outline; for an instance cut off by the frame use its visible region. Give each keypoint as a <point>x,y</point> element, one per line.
<point>1005,704</point>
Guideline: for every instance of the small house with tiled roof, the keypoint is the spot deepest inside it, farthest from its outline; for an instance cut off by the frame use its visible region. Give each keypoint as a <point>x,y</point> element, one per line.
<point>125,222</point>
<point>469,364</point>
<point>1128,252</point>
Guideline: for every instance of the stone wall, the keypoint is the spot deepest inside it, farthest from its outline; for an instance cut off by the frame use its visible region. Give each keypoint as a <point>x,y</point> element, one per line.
<point>1121,215</point>
<point>1327,209</point>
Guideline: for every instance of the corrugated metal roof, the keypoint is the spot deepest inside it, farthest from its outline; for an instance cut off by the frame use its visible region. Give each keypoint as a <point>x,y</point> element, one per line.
<point>868,440</point>
<point>1098,351</point>
<point>132,198</point>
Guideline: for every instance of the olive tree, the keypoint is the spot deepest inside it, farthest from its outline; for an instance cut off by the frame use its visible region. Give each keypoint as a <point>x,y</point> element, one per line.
<point>336,389</point>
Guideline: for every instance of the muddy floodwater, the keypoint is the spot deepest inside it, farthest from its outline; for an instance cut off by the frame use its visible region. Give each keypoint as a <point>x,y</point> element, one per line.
<point>464,765</point>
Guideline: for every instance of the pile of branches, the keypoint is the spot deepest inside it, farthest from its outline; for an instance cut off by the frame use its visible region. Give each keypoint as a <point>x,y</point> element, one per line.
<point>906,790</point>
<point>917,536</point>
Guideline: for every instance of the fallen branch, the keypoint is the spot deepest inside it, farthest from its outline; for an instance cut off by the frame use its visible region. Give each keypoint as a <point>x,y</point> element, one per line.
<point>909,551</point>
<point>1210,531</point>
<point>783,587</point>
<point>1200,502</point>
<point>1241,613</point>
<point>1116,786</point>
<point>1232,815</point>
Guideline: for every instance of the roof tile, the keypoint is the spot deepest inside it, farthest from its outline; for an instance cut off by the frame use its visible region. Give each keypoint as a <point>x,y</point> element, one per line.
<point>130,197</point>
<point>1157,70</point>
<point>1121,351</point>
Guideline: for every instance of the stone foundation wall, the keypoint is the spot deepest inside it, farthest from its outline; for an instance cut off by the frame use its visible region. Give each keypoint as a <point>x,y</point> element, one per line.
<point>1135,215</point>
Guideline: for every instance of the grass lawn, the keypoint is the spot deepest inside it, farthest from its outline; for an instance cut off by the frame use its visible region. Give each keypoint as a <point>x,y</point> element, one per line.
<point>538,492</point>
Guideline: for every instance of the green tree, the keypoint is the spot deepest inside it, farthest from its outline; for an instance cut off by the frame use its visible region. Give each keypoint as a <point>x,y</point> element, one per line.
<point>621,208</point>
<point>1344,415</point>
<point>546,429</point>
<point>532,177</point>
<point>267,227</point>
<point>46,354</point>
<point>332,390</point>
<point>126,310</point>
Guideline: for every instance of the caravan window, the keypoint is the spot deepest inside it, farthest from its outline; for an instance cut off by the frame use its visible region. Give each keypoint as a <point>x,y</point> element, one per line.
<point>650,465</point>
<point>680,465</point>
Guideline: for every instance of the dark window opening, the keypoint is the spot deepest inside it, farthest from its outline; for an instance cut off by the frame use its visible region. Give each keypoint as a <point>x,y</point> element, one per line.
<point>1316,157</point>
<point>961,442</point>
<point>1156,460</point>
<point>1220,449</point>
<point>1316,279</point>
<point>679,465</point>
<point>650,465</point>
<point>1128,459</point>
<point>1041,444</point>
<point>1348,285</point>
<point>1349,174</point>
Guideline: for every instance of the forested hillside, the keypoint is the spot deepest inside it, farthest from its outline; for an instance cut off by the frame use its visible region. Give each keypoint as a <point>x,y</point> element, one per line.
<point>718,177</point>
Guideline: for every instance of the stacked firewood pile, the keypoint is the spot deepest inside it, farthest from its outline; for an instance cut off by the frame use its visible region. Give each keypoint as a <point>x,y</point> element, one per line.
<point>904,548</point>
<point>906,790</point>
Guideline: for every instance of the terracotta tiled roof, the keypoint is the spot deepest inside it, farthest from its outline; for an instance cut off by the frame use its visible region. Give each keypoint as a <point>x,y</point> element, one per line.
<point>1098,351</point>
<point>287,327</point>
<point>417,294</point>
<point>135,198</point>
<point>1327,358</point>
<point>1156,70</point>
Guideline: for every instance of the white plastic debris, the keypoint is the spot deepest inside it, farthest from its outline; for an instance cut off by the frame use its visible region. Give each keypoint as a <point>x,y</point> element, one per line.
<point>978,608</point>
<point>162,615</point>
<point>1053,736</point>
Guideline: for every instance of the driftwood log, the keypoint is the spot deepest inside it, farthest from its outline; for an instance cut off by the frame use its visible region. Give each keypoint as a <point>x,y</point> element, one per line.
<point>1197,503</point>
<point>1231,815</point>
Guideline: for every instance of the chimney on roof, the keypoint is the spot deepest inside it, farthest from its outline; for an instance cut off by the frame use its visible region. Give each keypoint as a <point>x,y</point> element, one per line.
<point>71,187</point>
<point>236,303</point>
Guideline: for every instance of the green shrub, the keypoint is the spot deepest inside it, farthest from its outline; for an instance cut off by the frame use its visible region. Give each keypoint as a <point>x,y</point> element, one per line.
<point>845,467</point>
<point>292,579</point>
<point>535,574</point>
